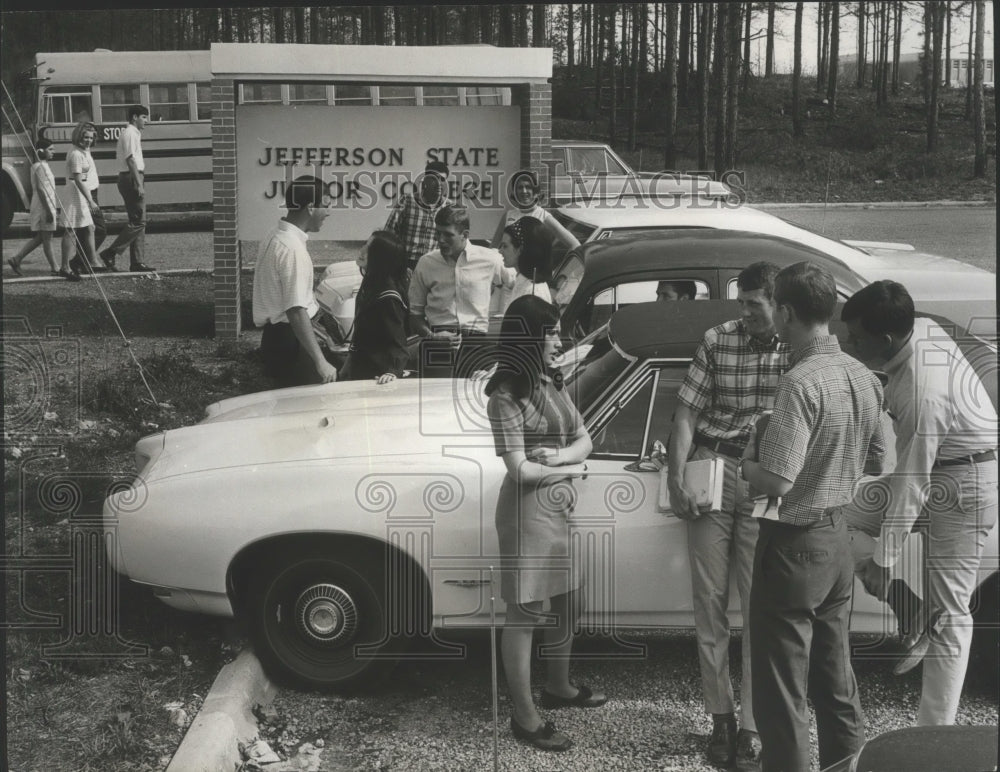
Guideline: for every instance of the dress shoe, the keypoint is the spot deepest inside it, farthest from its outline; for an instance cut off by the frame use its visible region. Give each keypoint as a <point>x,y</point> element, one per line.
<point>140,268</point>
<point>913,654</point>
<point>79,266</point>
<point>747,751</point>
<point>545,738</point>
<point>69,275</point>
<point>722,744</point>
<point>584,699</point>
<point>108,257</point>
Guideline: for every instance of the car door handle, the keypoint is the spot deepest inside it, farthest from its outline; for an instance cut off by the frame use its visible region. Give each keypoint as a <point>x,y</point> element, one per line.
<point>467,582</point>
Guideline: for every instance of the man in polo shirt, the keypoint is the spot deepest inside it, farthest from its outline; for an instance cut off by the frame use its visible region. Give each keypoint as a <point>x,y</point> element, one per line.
<point>131,172</point>
<point>412,218</point>
<point>825,433</point>
<point>730,382</point>
<point>283,301</point>
<point>946,438</point>
<point>450,297</point>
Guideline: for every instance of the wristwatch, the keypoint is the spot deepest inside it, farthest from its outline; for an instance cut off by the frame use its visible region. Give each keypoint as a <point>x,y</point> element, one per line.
<point>739,470</point>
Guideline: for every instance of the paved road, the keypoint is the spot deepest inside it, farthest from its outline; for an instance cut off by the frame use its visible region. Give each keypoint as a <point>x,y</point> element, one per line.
<point>966,233</point>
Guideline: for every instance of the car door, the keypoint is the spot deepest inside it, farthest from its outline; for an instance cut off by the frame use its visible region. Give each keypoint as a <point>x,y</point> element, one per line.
<point>637,561</point>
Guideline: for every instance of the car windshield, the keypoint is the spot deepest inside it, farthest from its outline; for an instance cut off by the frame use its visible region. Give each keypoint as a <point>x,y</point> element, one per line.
<point>594,160</point>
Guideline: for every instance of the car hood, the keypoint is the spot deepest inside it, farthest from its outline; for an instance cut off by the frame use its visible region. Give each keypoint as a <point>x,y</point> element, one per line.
<point>320,424</point>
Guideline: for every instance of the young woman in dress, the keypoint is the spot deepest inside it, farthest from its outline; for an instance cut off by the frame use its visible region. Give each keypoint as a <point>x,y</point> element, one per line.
<point>543,442</point>
<point>527,249</point>
<point>79,208</point>
<point>378,343</point>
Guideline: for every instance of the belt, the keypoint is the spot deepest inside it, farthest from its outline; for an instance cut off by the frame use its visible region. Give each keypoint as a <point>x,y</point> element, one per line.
<point>975,458</point>
<point>724,447</point>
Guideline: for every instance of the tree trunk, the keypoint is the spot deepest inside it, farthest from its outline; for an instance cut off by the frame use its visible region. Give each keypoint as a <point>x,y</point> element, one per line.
<point>884,75</point>
<point>797,128</point>
<point>937,30</point>
<point>897,43</point>
<point>925,68</point>
<point>612,22</point>
<point>819,45</point>
<point>633,102</point>
<point>862,53</point>
<point>947,46</point>
<point>643,37</point>
<point>733,84</point>
<point>522,26</point>
<point>598,35</point>
<point>684,56</point>
<point>979,120</point>
<point>506,25</point>
<point>968,63</point>
<point>704,58</point>
<point>570,52</point>
<point>769,57</point>
<point>721,76</point>
<point>831,88</point>
<point>299,14</point>
<point>670,87</point>
<point>538,25</point>
<point>748,16</point>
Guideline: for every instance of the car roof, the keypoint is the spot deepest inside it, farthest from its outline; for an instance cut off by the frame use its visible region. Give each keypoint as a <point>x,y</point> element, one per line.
<point>700,248</point>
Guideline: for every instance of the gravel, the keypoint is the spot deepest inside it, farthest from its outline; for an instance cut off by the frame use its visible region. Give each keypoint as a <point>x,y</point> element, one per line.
<point>437,715</point>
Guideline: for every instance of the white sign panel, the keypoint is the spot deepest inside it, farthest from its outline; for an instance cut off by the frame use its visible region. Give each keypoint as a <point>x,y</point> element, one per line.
<point>367,156</point>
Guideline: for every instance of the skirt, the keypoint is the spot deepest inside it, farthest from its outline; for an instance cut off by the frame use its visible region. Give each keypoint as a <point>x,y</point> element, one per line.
<point>533,531</point>
<point>77,213</point>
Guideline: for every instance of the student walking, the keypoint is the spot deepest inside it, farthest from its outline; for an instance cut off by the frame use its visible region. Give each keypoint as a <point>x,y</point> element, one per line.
<point>44,211</point>
<point>131,185</point>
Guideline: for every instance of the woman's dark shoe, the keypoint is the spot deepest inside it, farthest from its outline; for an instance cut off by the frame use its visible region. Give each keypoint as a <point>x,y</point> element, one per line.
<point>584,699</point>
<point>140,268</point>
<point>545,738</point>
<point>70,276</point>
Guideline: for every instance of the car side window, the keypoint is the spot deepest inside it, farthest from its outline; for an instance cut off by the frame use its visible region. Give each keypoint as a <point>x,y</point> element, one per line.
<point>625,433</point>
<point>732,291</point>
<point>602,305</point>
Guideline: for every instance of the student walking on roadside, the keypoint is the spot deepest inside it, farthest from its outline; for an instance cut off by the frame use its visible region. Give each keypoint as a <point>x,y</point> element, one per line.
<point>543,442</point>
<point>824,434</point>
<point>131,185</point>
<point>44,211</point>
<point>283,299</point>
<point>946,470</point>
<point>729,385</point>
<point>79,231</point>
<point>93,182</point>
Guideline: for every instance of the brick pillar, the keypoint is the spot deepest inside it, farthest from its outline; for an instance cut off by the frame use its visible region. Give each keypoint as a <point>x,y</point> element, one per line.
<point>228,259</point>
<point>535,101</point>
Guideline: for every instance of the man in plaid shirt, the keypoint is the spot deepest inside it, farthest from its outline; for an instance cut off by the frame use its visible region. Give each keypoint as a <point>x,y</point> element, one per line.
<point>412,218</point>
<point>729,384</point>
<point>824,435</point>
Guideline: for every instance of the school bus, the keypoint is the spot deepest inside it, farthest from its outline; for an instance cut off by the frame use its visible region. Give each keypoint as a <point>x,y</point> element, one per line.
<point>98,86</point>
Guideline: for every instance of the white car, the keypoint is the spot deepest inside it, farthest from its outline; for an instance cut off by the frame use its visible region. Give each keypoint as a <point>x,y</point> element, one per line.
<point>343,519</point>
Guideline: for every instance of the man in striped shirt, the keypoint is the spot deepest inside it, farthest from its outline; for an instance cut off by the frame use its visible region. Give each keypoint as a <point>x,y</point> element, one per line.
<point>730,383</point>
<point>412,218</point>
<point>825,433</point>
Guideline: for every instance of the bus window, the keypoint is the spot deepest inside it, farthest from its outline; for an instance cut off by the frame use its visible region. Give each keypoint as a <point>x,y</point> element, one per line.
<point>397,95</point>
<point>204,97</point>
<point>307,93</point>
<point>441,95</point>
<point>260,93</point>
<point>67,104</point>
<point>169,102</point>
<point>115,101</point>
<point>352,94</point>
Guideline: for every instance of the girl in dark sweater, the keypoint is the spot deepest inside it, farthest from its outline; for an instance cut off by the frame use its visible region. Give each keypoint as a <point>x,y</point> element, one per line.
<point>378,343</point>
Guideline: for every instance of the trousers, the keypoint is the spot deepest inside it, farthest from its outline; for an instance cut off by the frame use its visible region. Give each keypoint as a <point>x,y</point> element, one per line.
<point>133,235</point>
<point>799,624</point>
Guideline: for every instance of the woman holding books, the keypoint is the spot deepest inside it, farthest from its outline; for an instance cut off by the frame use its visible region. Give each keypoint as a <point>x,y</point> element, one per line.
<point>543,442</point>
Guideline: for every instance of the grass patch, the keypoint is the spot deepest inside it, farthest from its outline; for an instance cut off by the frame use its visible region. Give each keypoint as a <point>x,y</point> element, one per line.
<point>74,407</point>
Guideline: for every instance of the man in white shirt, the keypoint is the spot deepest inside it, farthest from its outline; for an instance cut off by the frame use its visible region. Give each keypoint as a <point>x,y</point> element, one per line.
<point>283,300</point>
<point>946,470</point>
<point>450,297</point>
<point>131,171</point>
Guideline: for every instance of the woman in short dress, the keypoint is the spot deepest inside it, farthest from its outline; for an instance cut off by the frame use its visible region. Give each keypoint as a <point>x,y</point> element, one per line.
<point>378,343</point>
<point>543,442</point>
<point>527,250</point>
<point>79,203</point>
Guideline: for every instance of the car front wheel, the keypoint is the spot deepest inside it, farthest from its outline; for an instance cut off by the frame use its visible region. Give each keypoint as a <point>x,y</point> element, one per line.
<point>321,619</point>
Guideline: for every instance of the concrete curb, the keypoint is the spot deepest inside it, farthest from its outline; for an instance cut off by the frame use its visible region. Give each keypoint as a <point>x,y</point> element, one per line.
<point>121,275</point>
<point>225,719</point>
<point>874,205</point>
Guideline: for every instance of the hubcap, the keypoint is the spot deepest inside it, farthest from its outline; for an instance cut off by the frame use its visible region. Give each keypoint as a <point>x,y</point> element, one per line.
<point>325,614</point>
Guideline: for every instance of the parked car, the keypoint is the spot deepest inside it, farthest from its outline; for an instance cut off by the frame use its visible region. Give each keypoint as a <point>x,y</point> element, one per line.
<point>584,169</point>
<point>632,237</point>
<point>340,520</point>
